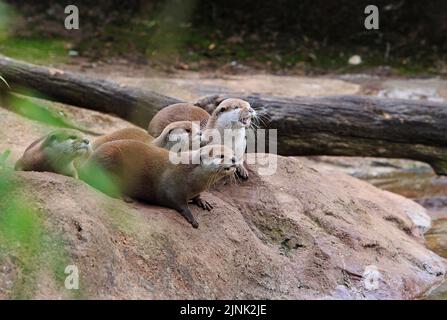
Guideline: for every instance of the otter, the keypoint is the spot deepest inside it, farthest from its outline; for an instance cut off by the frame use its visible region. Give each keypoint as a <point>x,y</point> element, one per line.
<point>123,134</point>
<point>234,115</point>
<point>176,112</point>
<point>183,134</point>
<point>231,114</point>
<point>55,152</point>
<point>146,172</point>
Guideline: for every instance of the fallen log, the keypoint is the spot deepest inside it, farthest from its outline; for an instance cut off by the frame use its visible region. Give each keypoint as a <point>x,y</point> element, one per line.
<point>133,104</point>
<point>354,126</point>
<point>340,125</point>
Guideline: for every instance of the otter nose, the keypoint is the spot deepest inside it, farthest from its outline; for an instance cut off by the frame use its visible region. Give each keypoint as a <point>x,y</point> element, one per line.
<point>233,160</point>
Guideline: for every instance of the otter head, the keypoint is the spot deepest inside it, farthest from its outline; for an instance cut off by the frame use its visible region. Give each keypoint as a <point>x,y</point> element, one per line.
<point>218,158</point>
<point>233,114</point>
<point>185,133</point>
<point>66,144</point>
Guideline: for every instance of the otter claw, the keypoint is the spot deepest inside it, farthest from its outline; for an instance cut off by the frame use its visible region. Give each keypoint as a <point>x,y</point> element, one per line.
<point>242,172</point>
<point>205,205</point>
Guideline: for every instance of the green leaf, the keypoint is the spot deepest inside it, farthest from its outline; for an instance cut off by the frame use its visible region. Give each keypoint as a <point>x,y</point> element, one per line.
<point>4,80</point>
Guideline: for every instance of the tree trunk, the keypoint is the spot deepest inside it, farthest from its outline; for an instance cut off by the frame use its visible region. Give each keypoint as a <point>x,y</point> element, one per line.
<point>354,126</point>
<point>137,106</point>
<point>341,125</point>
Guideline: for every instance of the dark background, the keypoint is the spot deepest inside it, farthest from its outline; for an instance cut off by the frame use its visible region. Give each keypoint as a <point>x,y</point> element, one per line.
<point>284,32</point>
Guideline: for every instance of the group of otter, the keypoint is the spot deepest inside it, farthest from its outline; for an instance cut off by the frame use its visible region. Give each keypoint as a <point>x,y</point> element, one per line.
<point>139,162</point>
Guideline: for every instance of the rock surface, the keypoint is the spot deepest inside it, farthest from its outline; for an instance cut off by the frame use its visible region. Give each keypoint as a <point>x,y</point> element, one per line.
<point>299,234</point>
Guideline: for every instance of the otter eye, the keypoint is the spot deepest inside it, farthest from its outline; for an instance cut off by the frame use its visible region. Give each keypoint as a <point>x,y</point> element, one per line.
<point>187,130</point>
<point>222,156</point>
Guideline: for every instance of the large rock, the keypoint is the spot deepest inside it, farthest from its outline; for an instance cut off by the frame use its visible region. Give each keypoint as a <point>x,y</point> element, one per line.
<point>299,234</point>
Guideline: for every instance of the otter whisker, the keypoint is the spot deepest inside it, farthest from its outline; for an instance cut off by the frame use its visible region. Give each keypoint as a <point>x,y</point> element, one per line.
<point>214,178</point>
<point>232,179</point>
<point>208,181</point>
<point>254,126</point>
<point>260,118</point>
<point>236,177</point>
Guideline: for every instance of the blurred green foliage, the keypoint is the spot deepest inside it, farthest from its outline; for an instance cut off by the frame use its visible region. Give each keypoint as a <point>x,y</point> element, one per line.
<point>29,108</point>
<point>29,48</point>
<point>3,159</point>
<point>4,81</point>
<point>26,242</point>
<point>99,178</point>
<point>310,35</point>
<point>6,19</point>
<point>33,49</point>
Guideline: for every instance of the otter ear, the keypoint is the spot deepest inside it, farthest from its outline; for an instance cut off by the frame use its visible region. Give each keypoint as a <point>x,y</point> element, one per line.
<point>52,137</point>
<point>171,131</point>
<point>202,156</point>
<point>210,103</point>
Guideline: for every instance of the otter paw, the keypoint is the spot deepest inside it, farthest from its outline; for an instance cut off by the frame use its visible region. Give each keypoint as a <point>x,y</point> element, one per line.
<point>242,173</point>
<point>205,205</point>
<point>194,224</point>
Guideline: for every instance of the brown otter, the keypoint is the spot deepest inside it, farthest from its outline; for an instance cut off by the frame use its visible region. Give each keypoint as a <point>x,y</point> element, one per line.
<point>176,112</point>
<point>126,133</point>
<point>179,134</point>
<point>145,172</point>
<point>231,114</point>
<point>55,152</point>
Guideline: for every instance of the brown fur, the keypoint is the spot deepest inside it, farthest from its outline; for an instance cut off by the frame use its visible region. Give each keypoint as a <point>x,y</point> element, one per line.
<point>136,134</point>
<point>189,112</point>
<point>145,172</point>
<point>43,154</point>
<point>176,112</point>
<point>162,140</point>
